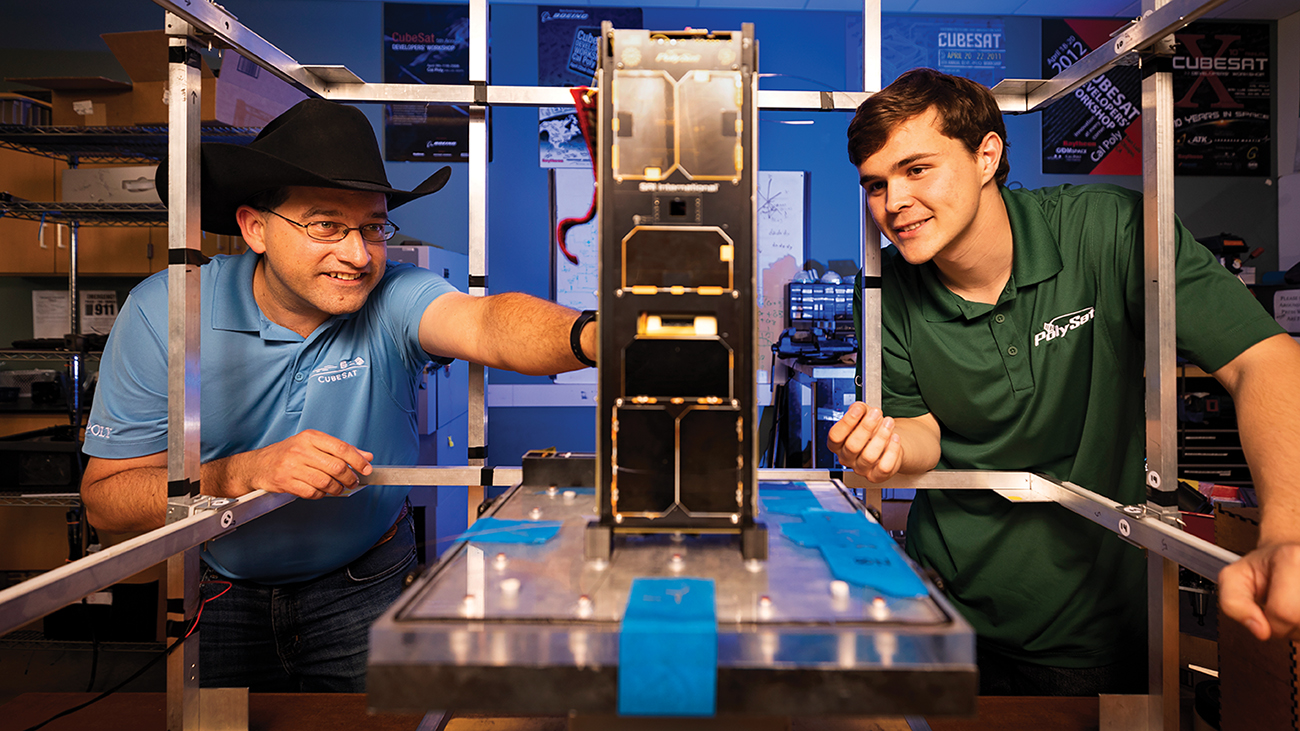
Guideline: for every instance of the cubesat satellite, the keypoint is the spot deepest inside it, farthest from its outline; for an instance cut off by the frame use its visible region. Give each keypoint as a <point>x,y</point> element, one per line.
<point>676,449</point>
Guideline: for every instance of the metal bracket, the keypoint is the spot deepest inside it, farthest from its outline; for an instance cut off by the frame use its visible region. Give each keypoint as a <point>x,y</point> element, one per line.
<point>203,503</point>
<point>1170,516</point>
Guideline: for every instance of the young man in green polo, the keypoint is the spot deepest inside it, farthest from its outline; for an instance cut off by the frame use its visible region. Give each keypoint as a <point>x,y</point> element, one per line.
<point>1013,340</point>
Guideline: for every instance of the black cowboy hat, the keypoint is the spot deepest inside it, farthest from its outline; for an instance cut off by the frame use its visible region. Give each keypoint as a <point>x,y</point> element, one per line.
<point>317,143</point>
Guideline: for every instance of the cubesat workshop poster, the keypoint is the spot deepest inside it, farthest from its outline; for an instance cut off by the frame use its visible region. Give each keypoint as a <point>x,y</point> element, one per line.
<point>1222,99</point>
<point>567,43</point>
<point>426,44</point>
<point>1097,130</point>
<point>975,48</point>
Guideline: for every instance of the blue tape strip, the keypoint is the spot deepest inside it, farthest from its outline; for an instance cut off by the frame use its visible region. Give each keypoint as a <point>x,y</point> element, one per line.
<point>496,530</point>
<point>787,499</point>
<point>582,491</point>
<point>668,649</point>
<point>857,550</point>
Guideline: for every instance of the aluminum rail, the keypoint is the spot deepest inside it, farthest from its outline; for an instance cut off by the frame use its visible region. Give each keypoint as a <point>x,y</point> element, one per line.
<point>871,372</point>
<point>184,95</point>
<point>40,595</point>
<point>340,84</point>
<point>1018,96</point>
<point>1020,484</point>
<point>43,594</point>
<point>208,18</point>
<point>1139,525</point>
<point>553,96</point>
<point>1136,524</point>
<point>457,476</point>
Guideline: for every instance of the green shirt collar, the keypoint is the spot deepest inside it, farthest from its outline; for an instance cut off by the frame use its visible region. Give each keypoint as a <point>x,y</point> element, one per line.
<point>1032,261</point>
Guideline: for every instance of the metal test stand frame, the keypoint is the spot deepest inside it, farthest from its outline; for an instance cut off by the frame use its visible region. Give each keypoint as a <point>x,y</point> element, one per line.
<point>193,519</point>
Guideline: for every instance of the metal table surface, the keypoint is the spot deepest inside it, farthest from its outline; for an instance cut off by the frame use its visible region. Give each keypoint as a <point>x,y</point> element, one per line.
<point>534,629</point>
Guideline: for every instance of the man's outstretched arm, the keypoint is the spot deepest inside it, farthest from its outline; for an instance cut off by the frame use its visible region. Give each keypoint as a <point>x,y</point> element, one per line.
<point>511,331</point>
<point>1262,590</point>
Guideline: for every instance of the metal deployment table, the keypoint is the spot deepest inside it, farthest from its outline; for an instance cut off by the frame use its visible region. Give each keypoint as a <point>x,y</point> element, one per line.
<point>534,628</point>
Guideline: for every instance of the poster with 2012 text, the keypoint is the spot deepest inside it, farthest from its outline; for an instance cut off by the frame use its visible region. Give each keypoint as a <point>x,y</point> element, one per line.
<point>1097,130</point>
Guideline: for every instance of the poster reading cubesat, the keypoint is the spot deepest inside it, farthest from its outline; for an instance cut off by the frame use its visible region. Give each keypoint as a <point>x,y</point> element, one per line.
<point>972,47</point>
<point>1221,89</point>
<point>1222,99</point>
<point>426,44</point>
<point>567,43</point>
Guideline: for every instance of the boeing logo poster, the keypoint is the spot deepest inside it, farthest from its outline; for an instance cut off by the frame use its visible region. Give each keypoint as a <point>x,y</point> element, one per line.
<point>972,47</point>
<point>567,42</point>
<point>1097,130</point>
<point>1222,99</point>
<point>426,44</point>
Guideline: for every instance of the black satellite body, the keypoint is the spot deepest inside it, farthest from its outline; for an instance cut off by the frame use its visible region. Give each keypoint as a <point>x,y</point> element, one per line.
<point>676,448</point>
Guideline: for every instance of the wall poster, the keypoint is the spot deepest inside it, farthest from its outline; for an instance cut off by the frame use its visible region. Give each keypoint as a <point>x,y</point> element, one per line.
<point>975,48</point>
<point>426,44</point>
<point>1097,130</point>
<point>1222,99</point>
<point>567,43</point>
<point>783,227</point>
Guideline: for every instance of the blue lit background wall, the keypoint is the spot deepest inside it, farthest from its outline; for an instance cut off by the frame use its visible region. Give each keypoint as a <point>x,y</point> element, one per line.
<point>810,49</point>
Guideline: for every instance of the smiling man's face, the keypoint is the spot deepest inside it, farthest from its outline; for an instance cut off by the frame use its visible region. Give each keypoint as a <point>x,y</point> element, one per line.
<point>302,282</point>
<point>924,188</point>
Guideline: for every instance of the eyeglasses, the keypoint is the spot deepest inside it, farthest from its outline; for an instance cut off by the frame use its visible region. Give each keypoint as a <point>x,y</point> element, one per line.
<point>331,232</point>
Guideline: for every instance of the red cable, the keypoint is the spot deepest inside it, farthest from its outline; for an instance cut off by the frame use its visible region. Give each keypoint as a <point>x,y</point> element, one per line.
<point>199,614</point>
<point>585,103</point>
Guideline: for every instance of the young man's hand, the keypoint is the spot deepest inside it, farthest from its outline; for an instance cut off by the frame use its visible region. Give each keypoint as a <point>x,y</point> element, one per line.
<point>865,441</point>
<point>1262,591</point>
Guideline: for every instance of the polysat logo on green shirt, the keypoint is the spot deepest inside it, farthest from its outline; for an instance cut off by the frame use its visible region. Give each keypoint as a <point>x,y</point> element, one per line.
<point>1060,325</point>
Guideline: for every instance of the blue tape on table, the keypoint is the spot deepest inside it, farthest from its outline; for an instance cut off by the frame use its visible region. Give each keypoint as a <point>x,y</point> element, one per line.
<point>496,530</point>
<point>578,491</point>
<point>857,550</point>
<point>787,499</point>
<point>668,649</point>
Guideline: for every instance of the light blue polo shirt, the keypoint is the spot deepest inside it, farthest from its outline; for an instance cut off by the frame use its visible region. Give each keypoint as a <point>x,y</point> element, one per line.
<point>355,378</point>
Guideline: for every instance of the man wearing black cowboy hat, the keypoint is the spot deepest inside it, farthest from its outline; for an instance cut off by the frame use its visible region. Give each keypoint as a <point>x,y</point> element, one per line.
<point>312,347</point>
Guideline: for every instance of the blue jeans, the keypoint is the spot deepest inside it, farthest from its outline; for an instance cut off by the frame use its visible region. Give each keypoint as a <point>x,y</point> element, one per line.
<point>308,637</point>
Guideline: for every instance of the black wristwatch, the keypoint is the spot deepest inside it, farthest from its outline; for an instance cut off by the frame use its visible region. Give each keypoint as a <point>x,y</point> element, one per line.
<point>575,337</point>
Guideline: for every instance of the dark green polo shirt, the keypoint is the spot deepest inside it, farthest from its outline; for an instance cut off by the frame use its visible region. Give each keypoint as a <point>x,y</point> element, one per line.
<point>1048,380</point>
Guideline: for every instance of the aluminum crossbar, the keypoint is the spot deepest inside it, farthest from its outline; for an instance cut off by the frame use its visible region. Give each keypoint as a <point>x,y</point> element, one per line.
<point>1017,96</point>
<point>40,595</point>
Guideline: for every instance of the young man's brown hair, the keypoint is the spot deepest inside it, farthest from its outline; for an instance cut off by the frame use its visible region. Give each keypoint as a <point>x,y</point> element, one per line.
<point>967,112</point>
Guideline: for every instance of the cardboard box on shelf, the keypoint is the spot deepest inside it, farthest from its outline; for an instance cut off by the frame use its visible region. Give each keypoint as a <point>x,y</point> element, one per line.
<point>243,95</point>
<point>127,184</point>
<point>86,101</point>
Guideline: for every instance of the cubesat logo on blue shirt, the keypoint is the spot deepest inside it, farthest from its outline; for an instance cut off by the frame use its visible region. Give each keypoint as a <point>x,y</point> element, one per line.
<point>344,370</point>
